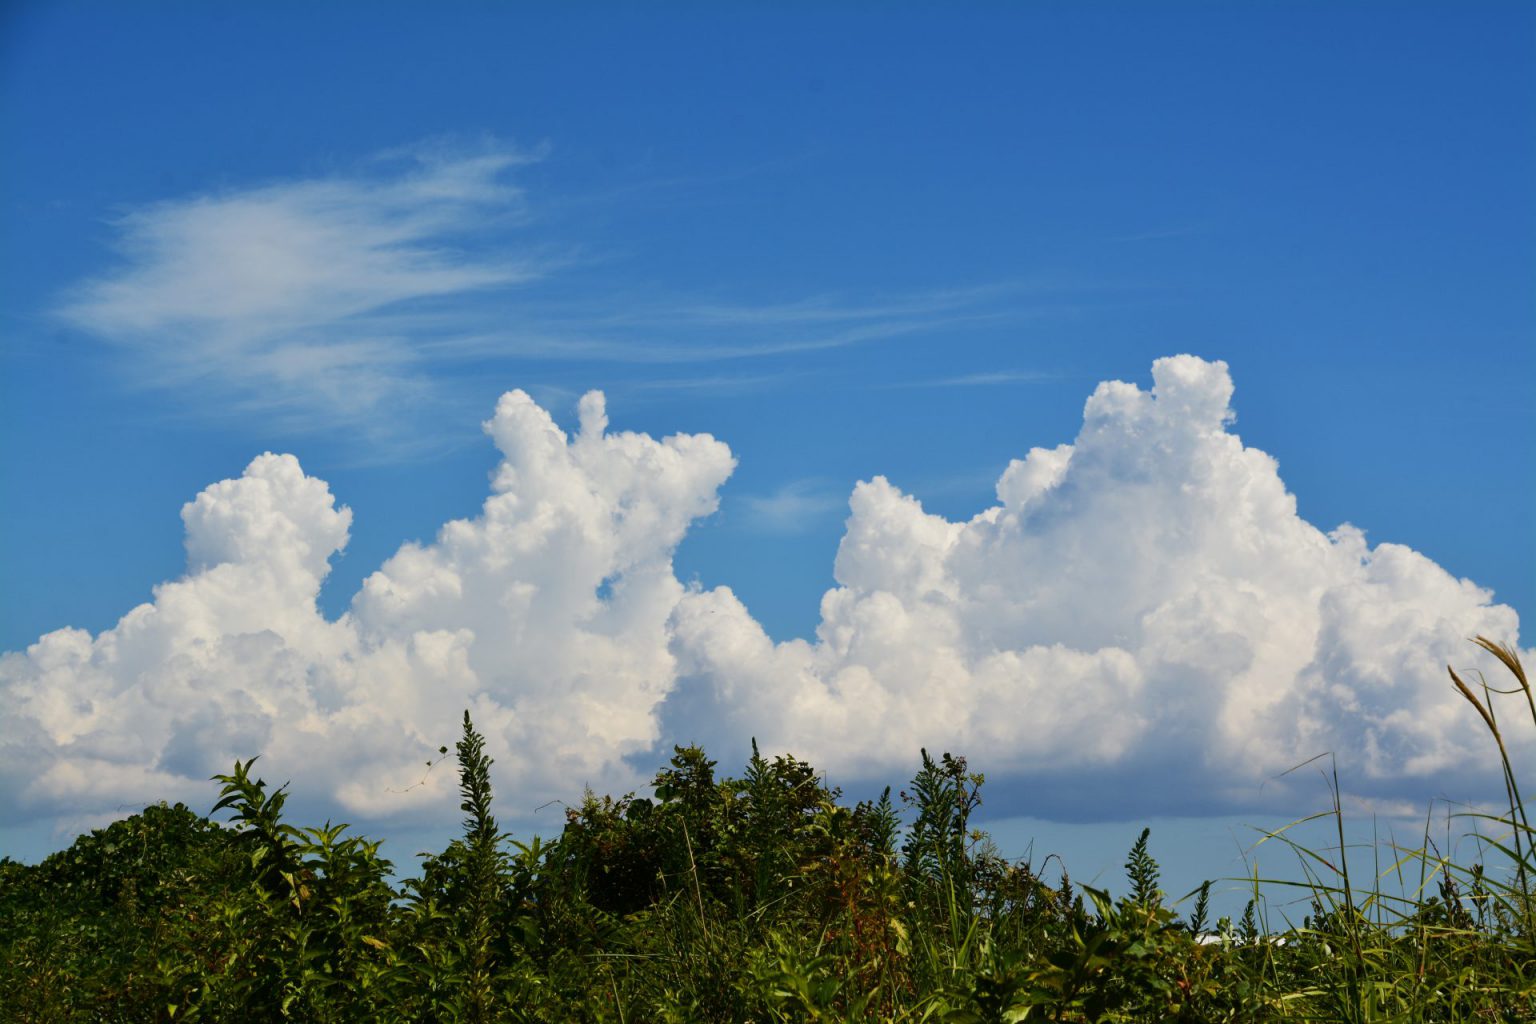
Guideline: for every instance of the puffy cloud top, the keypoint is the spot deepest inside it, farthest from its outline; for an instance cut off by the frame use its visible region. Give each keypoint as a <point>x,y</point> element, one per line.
<point>546,615</point>
<point>1141,623</point>
<point>274,517</point>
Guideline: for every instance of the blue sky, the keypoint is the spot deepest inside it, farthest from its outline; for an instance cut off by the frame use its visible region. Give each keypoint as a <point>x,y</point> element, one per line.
<point>848,244</point>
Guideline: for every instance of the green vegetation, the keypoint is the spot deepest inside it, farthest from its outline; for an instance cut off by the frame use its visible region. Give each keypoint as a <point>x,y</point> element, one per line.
<point>760,898</point>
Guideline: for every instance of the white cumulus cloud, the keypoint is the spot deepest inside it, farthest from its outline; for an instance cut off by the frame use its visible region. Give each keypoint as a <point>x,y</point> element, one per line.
<point>1142,623</point>
<point>545,615</point>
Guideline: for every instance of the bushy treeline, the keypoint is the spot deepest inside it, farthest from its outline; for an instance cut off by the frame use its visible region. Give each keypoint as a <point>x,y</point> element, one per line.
<point>760,898</point>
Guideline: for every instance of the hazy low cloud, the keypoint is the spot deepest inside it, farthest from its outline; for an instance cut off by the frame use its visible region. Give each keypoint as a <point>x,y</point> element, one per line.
<point>792,508</point>
<point>1141,623</point>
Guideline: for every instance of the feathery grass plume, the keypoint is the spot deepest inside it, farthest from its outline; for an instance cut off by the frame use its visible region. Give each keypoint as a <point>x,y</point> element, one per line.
<point>1523,852</point>
<point>1142,872</point>
<point>945,793</point>
<point>483,869</point>
<point>1198,917</point>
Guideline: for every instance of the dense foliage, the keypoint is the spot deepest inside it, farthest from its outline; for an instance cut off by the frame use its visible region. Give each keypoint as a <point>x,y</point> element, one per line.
<point>759,898</point>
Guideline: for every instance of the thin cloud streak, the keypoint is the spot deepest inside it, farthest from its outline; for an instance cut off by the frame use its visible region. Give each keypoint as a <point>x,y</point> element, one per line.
<point>537,343</point>
<point>971,380</point>
<point>724,385</point>
<point>827,309</point>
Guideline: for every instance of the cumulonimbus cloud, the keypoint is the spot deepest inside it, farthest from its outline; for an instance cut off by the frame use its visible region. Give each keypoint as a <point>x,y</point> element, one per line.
<point>1142,623</point>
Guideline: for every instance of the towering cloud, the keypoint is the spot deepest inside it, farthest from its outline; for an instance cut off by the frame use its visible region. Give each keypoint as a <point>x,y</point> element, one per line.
<point>546,615</point>
<point>1141,623</point>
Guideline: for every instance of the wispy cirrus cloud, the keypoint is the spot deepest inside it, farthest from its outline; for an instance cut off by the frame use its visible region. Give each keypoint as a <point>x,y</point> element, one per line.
<point>363,300</point>
<point>306,299</point>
